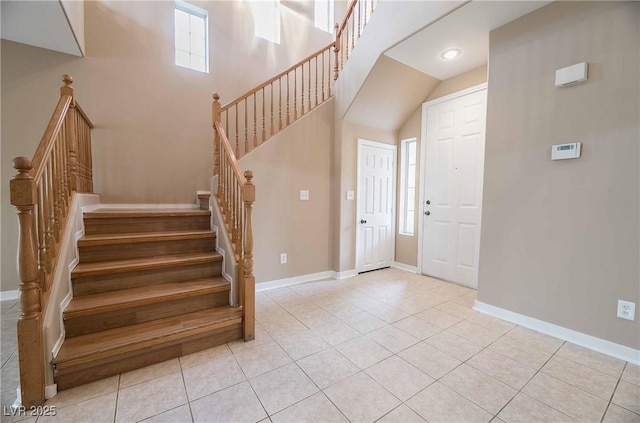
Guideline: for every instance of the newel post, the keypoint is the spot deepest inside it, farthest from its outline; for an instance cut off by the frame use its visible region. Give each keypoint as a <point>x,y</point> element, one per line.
<point>336,50</point>
<point>30,344</point>
<point>215,118</point>
<point>249,303</point>
<point>71,139</point>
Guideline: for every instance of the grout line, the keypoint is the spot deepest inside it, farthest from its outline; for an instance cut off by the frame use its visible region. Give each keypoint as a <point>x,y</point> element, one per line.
<point>115,412</point>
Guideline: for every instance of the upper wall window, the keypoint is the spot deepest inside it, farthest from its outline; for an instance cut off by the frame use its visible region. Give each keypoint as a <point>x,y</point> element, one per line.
<point>408,186</point>
<point>324,16</point>
<point>266,19</point>
<point>191,37</point>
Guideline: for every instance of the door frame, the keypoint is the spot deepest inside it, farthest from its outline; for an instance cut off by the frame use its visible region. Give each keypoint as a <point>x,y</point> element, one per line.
<point>394,148</point>
<point>423,157</point>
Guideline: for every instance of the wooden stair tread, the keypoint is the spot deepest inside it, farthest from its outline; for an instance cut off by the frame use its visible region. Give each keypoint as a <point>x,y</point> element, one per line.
<point>86,305</point>
<point>107,213</point>
<point>109,343</point>
<point>128,265</point>
<point>128,238</point>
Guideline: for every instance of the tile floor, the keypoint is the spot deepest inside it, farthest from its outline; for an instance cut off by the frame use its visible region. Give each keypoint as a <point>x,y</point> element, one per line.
<point>386,346</point>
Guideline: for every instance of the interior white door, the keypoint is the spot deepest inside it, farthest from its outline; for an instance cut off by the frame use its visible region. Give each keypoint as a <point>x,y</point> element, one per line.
<point>375,207</point>
<point>454,169</point>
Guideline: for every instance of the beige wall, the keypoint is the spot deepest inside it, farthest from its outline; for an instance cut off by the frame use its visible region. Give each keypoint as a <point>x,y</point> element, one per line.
<point>152,141</point>
<point>407,246</point>
<point>296,159</point>
<point>560,239</point>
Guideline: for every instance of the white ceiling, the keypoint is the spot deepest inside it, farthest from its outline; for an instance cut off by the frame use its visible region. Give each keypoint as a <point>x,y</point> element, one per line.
<point>467,29</point>
<point>38,23</point>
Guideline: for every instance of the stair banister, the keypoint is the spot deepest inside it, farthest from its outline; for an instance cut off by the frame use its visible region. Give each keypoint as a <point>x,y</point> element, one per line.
<point>42,192</point>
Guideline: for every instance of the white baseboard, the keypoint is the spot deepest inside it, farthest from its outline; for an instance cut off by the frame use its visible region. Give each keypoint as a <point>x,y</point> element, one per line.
<point>402,266</point>
<point>346,274</point>
<point>9,295</point>
<point>279,283</point>
<point>63,305</point>
<point>140,206</point>
<point>596,344</point>
<point>50,391</point>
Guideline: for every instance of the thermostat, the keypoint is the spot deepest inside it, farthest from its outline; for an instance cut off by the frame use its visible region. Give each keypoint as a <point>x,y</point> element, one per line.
<point>565,151</point>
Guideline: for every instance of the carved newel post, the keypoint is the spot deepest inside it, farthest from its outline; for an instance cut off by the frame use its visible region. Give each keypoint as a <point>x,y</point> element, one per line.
<point>216,119</point>
<point>73,178</point>
<point>249,196</point>
<point>30,349</point>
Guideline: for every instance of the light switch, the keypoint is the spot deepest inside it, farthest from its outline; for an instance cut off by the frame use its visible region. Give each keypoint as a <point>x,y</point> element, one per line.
<point>350,195</point>
<point>304,194</point>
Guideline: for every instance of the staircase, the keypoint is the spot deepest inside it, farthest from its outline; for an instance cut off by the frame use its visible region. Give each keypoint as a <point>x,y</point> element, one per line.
<point>148,288</point>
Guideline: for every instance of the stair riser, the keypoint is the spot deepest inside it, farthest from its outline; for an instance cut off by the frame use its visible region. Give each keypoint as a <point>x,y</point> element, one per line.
<point>79,375</point>
<point>114,282</point>
<point>121,225</point>
<point>145,249</point>
<point>129,316</point>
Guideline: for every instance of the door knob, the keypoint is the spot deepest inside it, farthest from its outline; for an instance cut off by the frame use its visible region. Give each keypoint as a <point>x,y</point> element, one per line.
<point>428,202</point>
<point>427,212</point>
<point>362,221</point>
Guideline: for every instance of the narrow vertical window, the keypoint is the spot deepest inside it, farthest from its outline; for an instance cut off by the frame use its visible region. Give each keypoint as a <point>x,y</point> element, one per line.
<point>324,16</point>
<point>408,186</point>
<point>266,19</point>
<point>191,37</point>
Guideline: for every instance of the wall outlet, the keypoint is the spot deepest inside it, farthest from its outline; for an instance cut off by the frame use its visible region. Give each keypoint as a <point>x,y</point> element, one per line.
<point>304,194</point>
<point>626,310</point>
<point>350,195</point>
<point>283,258</point>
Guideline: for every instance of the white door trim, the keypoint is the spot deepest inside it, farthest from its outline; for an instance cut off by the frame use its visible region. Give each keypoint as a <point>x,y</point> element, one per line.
<point>423,155</point>
<point>394,148</point>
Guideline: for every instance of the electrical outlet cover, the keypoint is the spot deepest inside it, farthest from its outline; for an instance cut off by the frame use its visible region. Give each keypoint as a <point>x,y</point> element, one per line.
<point>283,258</point>
<point>626,310</point>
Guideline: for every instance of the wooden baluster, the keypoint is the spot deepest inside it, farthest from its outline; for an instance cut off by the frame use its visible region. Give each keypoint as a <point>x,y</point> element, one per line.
<point>295,94</point>
<point>302,91</point>
<point>215,118</point>
<point>30,342</point>
<point>287,100</point>
<point>226,122</point>
<point>246,128</point>
<point>255,117</point>
<point>359,19</point>
<point>249,304</point>
<point>50,239</point>
<point>89,160</point>
<point>309,91</point>
<point>372,6</point>
<point>271,128</point>
<point>322,84</point>
<point>280,103</point>
<point>74,179</point>
<point>56,196</point>
<point>42,250</point>
<point>364,8</point>
<point>264,116</point>
<point>237,143</point>
<point>315,91</point>
<point>336,49</point>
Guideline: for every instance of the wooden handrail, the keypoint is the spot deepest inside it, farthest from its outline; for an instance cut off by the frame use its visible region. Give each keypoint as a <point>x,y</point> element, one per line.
<point>42,192</point>
<point>347,15</point>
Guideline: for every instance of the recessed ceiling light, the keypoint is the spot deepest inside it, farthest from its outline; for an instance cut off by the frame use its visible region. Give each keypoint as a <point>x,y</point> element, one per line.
<point>451,54</point>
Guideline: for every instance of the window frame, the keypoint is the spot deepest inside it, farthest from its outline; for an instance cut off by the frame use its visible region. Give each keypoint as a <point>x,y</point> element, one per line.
<point>277,24</point>
<point>329,25</point>
<point>196,11</point>
<point>404,185</point>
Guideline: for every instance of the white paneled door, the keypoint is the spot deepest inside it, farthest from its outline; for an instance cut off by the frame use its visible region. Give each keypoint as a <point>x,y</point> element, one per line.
<point>453,173</point>
<point>375,209</point>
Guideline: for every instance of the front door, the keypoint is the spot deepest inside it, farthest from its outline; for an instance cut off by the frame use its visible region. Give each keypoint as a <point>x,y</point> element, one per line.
<point>454,167</point>
<point>375,207</point>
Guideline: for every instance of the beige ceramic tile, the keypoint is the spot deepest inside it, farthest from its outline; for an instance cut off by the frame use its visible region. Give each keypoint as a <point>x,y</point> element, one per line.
<point>438,318</point>
<point>235,404</point>
<point>604,363</point>
<point>363,352</point>
<point>147,373</point>
<point>327,367</point>
<point>583,377</point>
<point>316,408</point>
<point>341,309</point>
<point>262,359</point>
<point>476,333</point>
<point>520,352</point>
<point>401,414</point>
<point>364,322</point>
<point>628,396</point>
<point>336,333</point>
<point>490,322</point>
<point>410,305</point>
<point>98,410</point>
<point>212,376</point>
<point>282,387</point>
<point>438,403</point>
<point>180,414</point>
<point>393,339</point>
<point>631,374</point>
<point>430,360</point>
<point>536,339</point>
<point>455,309</point>
<point>261,337</point>
<point>454,345</point>
<point>478,387</point>
<point>565,398</point>
<point>399,377</point>
<point>316,318</point>
<point>283,327</point>
<point>204,356</point>
<point>389,314</point>
<point>150,398</point>
<point>303,344</point>
<point>361,399</point>
<point>416,327</point>
<point>524,409</point>
<point>617,414</point>
<point>84,392</point>
<point>502,368</point>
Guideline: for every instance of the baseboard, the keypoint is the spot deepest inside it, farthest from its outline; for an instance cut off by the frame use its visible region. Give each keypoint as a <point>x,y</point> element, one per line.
<point>345,274</point>
<point>402,266</point>
<point>9,295</point>
<point>596,344</point>
<point>144,206</point>
<point>63,305</point>
<point>279,283</point>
